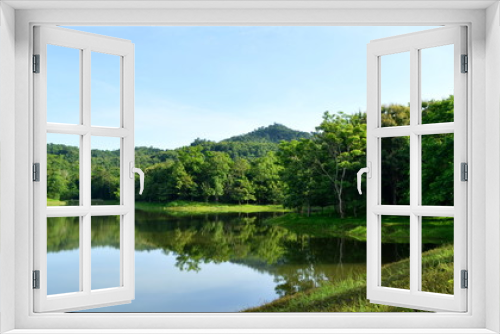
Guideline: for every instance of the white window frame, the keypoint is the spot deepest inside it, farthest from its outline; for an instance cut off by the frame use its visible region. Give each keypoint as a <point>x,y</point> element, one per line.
<point>16,126</point>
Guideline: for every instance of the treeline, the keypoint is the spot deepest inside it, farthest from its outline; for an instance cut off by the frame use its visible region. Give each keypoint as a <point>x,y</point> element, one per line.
<point>239,175</point>
<point>199,174</point>
<point>309,171</point>
<point>63,173</point>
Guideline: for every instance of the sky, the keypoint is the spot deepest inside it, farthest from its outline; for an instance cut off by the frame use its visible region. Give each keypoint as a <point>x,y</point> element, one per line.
<point>218,82</point>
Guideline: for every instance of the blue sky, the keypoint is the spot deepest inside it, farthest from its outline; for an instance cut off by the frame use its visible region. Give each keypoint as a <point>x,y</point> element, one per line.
<point>217,82</point>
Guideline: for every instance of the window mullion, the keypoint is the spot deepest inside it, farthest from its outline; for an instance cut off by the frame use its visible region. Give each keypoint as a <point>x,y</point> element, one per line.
<point>85,177</point>
<point>415,165</point>
<point>86,173</point>
<point>85,238</point>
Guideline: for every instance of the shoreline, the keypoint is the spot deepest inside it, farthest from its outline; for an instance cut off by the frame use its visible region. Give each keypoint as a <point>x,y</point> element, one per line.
<point>349,295</point>
<point>187,207</point>
<point>179,207</point>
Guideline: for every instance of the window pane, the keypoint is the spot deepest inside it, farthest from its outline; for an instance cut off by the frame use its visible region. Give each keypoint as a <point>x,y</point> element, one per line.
<point>63,85</point>
<point>437,170</point>
<point>437,254</point>
<point>63,255</point>
<point>437,84</point>
<point>105,254</point>
<point>63,170</point>
<point>105,171</point>
<point>395,232</point>
<point>105,87</point>
<point>395,171</point>
<point>395,89</point>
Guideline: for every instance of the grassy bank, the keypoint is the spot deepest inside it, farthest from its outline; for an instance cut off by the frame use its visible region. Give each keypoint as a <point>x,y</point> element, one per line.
<point>184,207</point>
<point>350,295</point>
<point>55,202</point>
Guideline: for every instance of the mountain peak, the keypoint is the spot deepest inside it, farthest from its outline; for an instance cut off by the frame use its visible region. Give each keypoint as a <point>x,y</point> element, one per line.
<point>272,133</point>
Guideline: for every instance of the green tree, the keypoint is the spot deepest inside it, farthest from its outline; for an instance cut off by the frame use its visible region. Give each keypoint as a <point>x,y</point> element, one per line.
<point>214,174</point>
<point>438,170</point>
<point>105,183</point>
<point>438,111</point>
<point>298,175</point>
<point>182,181</point>
<point>57,183</point>
<point>157,182</point>
<point>192,158</point>
<point>395,156</point>
<point>240,188</point>
<point>394,115</point>
<point>265,175</point>
<point>339,151</point>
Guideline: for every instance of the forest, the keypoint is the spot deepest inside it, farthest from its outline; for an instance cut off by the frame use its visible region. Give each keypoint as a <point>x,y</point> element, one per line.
<point>274,165</point>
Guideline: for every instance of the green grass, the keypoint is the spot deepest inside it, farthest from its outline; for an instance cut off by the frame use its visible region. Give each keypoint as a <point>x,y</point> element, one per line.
<point>184,207</point>
<point>55,202</point>
<point>349,295</point>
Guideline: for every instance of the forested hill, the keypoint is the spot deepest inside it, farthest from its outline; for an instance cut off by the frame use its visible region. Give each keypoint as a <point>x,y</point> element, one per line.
<point>273,133</point>
<point>254,144</point>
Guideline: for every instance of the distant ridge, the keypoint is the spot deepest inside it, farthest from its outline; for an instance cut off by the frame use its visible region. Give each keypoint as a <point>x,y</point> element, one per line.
<point>273,133</point>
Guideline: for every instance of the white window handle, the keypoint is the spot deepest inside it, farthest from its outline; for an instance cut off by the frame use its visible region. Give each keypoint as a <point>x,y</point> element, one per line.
<point>368,171</point>
<point>141,176</point>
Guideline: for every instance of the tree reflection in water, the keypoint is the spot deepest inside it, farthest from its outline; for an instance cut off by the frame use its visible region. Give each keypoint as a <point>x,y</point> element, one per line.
<point>297,261</point>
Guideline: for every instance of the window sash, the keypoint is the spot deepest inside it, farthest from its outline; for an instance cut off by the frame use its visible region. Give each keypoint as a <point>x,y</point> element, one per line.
<point>86,297</point>
<point>414,298</point>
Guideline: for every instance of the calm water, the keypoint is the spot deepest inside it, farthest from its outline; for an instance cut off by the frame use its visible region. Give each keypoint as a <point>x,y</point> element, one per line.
<point>210,263</point>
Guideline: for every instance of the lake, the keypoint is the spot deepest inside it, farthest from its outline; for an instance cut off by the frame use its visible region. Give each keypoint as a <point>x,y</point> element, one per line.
<point>206,263</point>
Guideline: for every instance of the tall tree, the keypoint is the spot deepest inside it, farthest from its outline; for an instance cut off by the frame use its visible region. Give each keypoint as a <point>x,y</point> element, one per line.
<point>298,175</point>
<point>339,150</point>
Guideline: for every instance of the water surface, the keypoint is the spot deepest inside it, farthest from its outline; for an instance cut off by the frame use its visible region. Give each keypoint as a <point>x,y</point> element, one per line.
<point>212,263</point>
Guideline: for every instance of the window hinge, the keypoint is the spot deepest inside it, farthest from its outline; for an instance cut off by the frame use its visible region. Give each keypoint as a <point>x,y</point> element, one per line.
<point>36,63</point>
<point>465,64</point>
<point>465,279</point>
<point>36,172</point>
<point>464,172</point>
<point>36,279</point>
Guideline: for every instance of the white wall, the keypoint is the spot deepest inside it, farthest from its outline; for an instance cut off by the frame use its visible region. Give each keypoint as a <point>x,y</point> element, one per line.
<point>7,190</point>
<point>492,150</point>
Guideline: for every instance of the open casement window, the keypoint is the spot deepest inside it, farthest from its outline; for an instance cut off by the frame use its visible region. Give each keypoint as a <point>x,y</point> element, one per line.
<point>426,170</point>
<point>98,69</point>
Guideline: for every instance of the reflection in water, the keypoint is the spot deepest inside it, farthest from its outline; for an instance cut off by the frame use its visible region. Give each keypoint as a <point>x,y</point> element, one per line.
<point>296,261</point>
<point>104,259</point>
<point>222,263</point>
<point>63,237</point>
